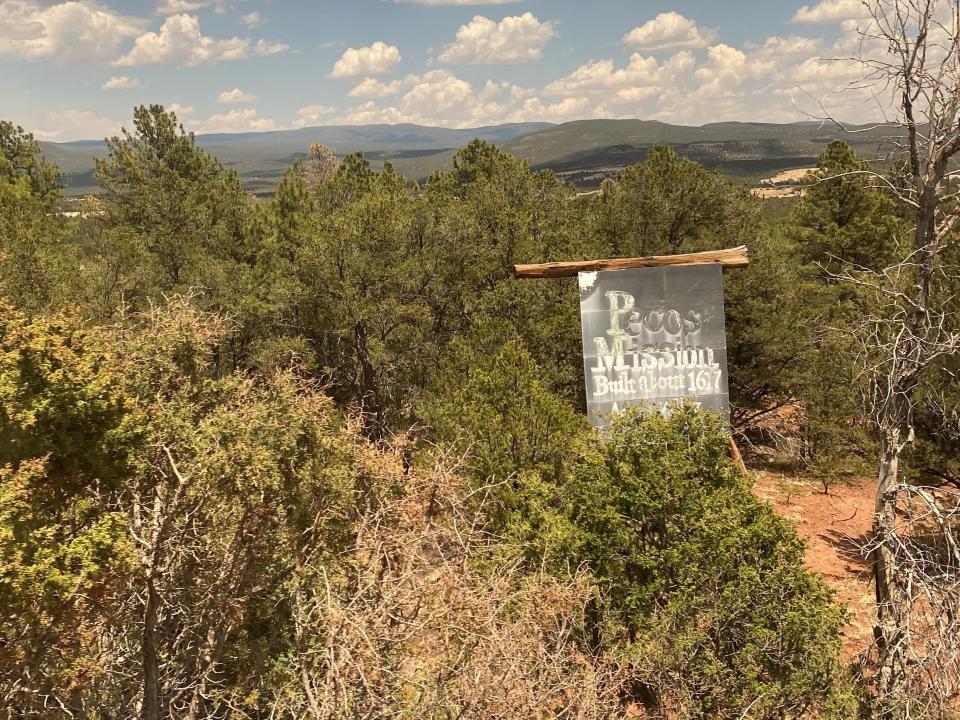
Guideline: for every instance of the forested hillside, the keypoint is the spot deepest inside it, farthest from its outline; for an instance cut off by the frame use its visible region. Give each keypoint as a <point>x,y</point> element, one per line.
<point>323,456</point>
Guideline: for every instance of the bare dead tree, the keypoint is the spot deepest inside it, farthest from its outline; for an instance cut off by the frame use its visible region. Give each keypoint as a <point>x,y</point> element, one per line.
<point>321,165</point>
<point>910,52</point>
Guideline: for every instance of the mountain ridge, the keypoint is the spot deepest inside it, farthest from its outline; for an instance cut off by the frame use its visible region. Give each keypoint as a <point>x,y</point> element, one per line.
<point>582,151</point>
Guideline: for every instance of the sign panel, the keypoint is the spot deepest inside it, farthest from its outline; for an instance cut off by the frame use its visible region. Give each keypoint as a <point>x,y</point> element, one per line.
<point>656,336</point>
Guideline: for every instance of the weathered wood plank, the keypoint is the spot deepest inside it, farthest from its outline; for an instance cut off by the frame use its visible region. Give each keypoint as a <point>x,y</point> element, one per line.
<point>737,257</point>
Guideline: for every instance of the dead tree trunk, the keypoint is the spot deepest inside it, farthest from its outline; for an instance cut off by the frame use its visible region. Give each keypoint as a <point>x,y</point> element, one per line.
<point>149,655</point>
<point>887,630</point>
<point>910,54</point>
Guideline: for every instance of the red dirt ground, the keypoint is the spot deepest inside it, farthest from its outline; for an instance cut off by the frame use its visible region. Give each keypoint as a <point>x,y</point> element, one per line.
<point>831,524</point>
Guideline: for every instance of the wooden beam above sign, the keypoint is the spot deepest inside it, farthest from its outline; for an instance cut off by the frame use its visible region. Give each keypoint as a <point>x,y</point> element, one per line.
<point>737,257</point>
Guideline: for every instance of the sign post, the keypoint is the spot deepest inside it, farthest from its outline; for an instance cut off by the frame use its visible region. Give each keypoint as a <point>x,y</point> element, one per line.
<point>653,330</point>
<point>653,336</point>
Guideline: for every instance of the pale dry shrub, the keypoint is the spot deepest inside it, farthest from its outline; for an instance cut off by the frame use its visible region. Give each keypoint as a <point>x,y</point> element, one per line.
<point>434,619</point>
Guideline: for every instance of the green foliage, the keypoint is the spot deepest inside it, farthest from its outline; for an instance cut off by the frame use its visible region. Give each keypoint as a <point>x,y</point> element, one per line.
<point>837,443</point>
<point>57,399</point>
<point>701,584</point>
<point>118,270</point>
<point>384,276</point>
<point>546,315</point>
<point>179,203</point>
<point>840,219</point>
<point>669,204</point>
<point>366,293</point>
<point>264,476</point>
<point>499,412</point>
<point>63,552</point>
<point>839,224</point>
<point>770,326</point>
<point>20,157</point>
<point>35,259</point>
<point>934,458</point>
<point>792,378</point>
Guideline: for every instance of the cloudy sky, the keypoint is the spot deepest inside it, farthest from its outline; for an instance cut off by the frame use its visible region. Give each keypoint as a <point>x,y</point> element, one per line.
<point>74,70</point>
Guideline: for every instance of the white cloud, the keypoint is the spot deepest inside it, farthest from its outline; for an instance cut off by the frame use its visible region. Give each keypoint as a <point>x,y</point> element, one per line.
<point>266,47</point>
<point>77,125</point>
<point>312,115</point>
<point>755,81</point>
<point>446,94</point>
<point>669,31</point>
<point>252,20</point>
<point>640,89</point>
<point>181,111</point>
<point>725,70</point>
<point>370,113</point>
<point>68,32</point>
<point>764,80</point>
<point>120,82</point>
<point>236,121</point>
<point>235,96</point>
<point>750,83</point>
<point>831,11</point>
<point>567,109</point>
<point>515,39</point>
<point>440,98</point>
<point>601,77</point>
<point>434,98</point>
<point>373,88</point>
<point>181,41</point>
<point>636,95</point>
<point>174,7</point>
<point>375,59</point>
<point>730,84</point>
<point>777,47</point>
<point>827,70</point>
<point>437,3</point>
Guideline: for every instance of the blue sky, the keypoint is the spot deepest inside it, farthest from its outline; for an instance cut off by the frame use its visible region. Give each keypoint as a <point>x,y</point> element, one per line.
<point>75,69</point>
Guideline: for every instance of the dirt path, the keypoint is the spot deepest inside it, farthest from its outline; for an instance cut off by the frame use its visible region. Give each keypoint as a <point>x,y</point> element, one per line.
<point>832,525</point>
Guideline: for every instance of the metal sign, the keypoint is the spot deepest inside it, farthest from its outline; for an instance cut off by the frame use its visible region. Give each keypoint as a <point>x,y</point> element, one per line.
<point>656,336</point>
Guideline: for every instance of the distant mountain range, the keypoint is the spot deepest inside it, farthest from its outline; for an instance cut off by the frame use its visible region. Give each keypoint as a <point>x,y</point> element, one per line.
<point>261,158</point>
<point>583,152</point>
